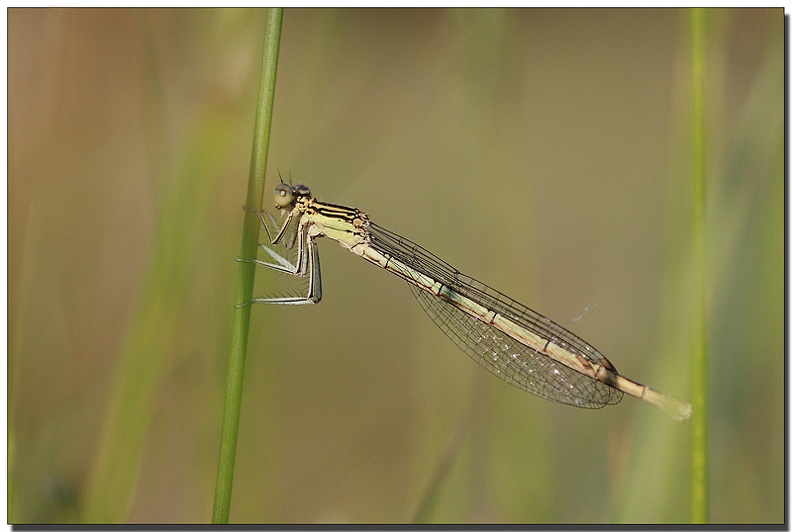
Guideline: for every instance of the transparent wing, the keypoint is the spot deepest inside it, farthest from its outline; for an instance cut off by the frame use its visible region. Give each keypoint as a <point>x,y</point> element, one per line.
<point>512,361</point>
<point>503,356</point>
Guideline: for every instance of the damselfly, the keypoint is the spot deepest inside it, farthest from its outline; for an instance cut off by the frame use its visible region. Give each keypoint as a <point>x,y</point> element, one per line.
<point>520,346</point>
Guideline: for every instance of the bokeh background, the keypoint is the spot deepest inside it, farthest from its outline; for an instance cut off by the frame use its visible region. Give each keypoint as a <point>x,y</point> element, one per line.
<point>545,152</point>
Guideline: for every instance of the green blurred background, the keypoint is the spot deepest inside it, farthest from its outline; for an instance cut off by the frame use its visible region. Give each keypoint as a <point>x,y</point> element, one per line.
<point>545,152</point>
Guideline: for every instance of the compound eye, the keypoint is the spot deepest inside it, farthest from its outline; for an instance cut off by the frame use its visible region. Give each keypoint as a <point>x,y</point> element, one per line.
<point>283,196</point>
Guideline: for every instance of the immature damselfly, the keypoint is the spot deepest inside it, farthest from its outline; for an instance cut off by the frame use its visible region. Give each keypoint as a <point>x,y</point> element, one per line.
<point>520,346</point>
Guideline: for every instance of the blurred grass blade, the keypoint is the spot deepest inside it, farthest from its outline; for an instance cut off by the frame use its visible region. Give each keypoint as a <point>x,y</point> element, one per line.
<point>148,348</point>
<point>431,494</point>
<point>700,488</point>
<point>250,234</point>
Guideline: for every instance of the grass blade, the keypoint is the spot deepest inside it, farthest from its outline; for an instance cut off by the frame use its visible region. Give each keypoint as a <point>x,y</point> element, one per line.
<point>250,234</point>
<point>700,487</point>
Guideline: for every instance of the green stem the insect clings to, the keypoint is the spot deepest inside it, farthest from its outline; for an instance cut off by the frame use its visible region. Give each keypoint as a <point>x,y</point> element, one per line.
<point>246,271</point>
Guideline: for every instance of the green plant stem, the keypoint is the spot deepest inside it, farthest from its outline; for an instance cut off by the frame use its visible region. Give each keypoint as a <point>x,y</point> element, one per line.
<point>246,278</point>
<point>699,467</point>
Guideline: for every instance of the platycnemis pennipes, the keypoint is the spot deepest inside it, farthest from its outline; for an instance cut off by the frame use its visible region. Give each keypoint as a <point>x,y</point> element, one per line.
<point>520,346</point>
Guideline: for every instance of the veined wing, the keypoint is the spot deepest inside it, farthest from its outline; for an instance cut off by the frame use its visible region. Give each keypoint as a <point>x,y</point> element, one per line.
<point>512,361</point>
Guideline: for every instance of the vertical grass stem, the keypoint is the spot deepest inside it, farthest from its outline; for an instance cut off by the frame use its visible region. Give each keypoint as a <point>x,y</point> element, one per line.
<point>700,484</point>
<point>245,281</point>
